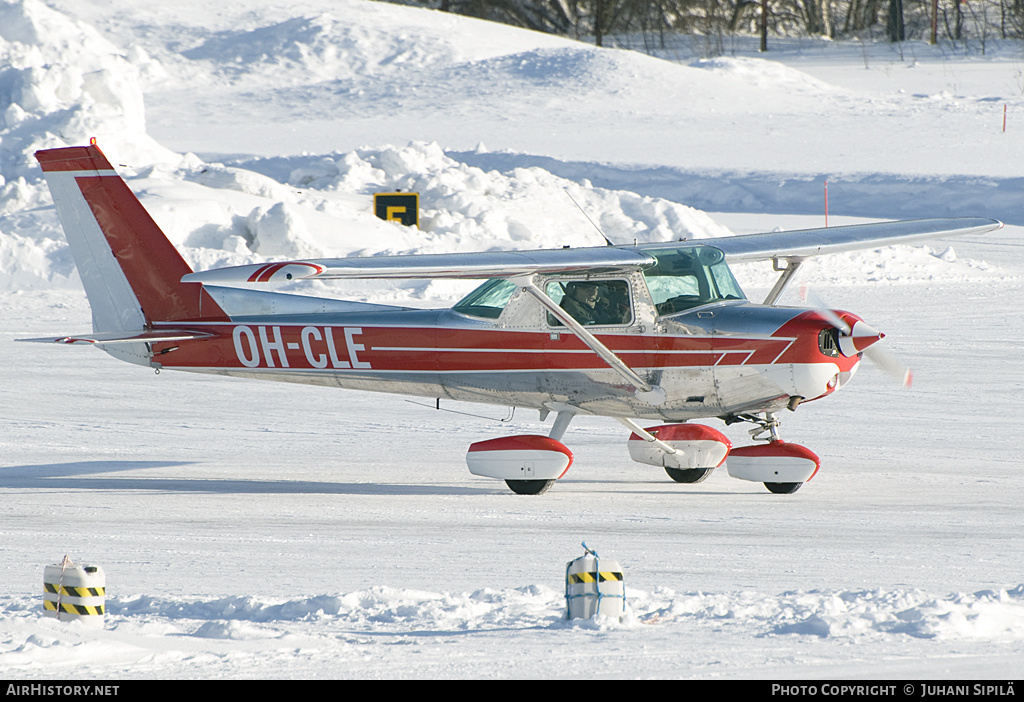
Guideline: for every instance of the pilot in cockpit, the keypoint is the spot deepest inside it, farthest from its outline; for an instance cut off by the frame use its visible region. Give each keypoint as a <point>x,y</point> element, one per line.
<point>593,303</point>
<point>580,301</point>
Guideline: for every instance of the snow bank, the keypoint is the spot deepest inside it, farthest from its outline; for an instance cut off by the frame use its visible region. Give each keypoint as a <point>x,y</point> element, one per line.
<point>988,614</point>
<point>138,625</point>
<point>763,73</point>
<point>321,206</point>
<point>854,614</point>
<point>321,48</point>
<point>356,41</point>
<point>60,84</point>
<point>465,208</point>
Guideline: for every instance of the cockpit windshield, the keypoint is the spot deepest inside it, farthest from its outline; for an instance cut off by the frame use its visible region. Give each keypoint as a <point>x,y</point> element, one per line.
<point>690,276</point>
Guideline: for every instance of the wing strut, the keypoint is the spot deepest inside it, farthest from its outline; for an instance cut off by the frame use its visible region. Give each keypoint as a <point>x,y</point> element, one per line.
<point>793,264</point>
<point>646,392</point>
<point>646,435</point>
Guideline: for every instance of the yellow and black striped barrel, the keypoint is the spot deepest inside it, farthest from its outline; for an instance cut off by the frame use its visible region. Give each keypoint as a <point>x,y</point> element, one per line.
<point>75,592</point>
<point>595,577</point>
<point>594,586</point>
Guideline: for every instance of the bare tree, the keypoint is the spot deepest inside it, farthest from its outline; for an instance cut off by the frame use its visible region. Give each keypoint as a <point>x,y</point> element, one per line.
<point>894,25</point>
<point>653,20</point>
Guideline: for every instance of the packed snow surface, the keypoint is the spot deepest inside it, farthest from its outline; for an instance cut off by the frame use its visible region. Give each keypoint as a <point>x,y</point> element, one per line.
<point>252,531</point>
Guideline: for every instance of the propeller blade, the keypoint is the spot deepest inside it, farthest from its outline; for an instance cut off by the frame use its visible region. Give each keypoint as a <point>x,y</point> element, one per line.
<point>808,297</point>
<point>860,339</point>
<point>891,365</point>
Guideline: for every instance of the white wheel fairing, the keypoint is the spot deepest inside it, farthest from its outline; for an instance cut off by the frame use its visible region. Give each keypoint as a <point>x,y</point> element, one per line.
<point>774,462</point>
<point>529,457</point>
<point>697,446</point>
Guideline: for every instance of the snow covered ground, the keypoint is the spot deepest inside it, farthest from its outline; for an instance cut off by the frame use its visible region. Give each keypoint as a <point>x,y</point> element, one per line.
<point>264,530</point>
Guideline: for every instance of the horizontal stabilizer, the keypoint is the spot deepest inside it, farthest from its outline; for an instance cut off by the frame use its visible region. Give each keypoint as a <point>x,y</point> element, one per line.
<point>151,337</point>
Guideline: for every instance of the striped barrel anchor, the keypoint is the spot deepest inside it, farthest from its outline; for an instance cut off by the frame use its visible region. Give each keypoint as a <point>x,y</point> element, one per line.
<point>594,586</point>
<point>75,592</point>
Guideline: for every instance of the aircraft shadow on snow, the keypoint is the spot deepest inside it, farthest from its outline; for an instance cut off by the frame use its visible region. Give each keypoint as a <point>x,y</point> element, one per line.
<point>82,475</point>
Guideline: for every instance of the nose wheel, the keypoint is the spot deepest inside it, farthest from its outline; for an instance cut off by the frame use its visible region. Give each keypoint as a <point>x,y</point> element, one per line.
<point>783,488</point>
<point>782,467</point>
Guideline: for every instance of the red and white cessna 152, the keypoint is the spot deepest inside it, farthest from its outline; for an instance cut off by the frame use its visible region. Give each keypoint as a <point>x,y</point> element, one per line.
<point>637,333</point>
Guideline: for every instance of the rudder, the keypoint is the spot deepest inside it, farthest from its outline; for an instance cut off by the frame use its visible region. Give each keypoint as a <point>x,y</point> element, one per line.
<point>130,270</point>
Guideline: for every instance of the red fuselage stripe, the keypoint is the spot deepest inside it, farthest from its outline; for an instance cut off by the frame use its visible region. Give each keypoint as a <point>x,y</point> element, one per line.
<point>329,348</point>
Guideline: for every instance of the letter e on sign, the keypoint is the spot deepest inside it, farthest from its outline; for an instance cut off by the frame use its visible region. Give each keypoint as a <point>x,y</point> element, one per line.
<point>398,207</point>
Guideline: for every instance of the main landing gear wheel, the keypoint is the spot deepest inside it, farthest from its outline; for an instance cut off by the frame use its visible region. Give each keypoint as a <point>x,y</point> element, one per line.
<point>689,475</point>
<point>783,488</point>
<point>529,487</point>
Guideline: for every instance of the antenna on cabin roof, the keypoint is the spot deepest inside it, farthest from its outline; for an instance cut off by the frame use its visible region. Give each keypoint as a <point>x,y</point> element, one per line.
<point>606,239</point>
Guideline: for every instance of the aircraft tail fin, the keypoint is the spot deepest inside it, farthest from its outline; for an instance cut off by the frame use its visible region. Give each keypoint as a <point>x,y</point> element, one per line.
<point>130,270</point>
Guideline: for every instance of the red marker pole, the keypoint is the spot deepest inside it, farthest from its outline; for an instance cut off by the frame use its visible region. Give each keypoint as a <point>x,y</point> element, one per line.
<point>826,203</point>
<point>1004,119</point>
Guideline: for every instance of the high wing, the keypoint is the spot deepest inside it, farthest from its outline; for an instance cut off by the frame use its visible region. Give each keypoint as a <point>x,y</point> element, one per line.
<point>813,242</point>
<point>486,264</point>
<point>795,244</point>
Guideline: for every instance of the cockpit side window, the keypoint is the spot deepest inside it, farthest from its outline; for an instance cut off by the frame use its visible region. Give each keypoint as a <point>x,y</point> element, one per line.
<point>488,300</point>
<point>592,302</point>
<point>690,276</point>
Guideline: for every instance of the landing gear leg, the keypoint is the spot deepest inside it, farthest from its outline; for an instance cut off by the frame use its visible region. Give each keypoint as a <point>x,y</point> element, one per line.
<point>769,425</point>
<point>560,424</point>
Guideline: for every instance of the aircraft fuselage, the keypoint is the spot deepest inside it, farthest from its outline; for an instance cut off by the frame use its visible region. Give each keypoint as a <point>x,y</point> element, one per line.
<point>712,361</point>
